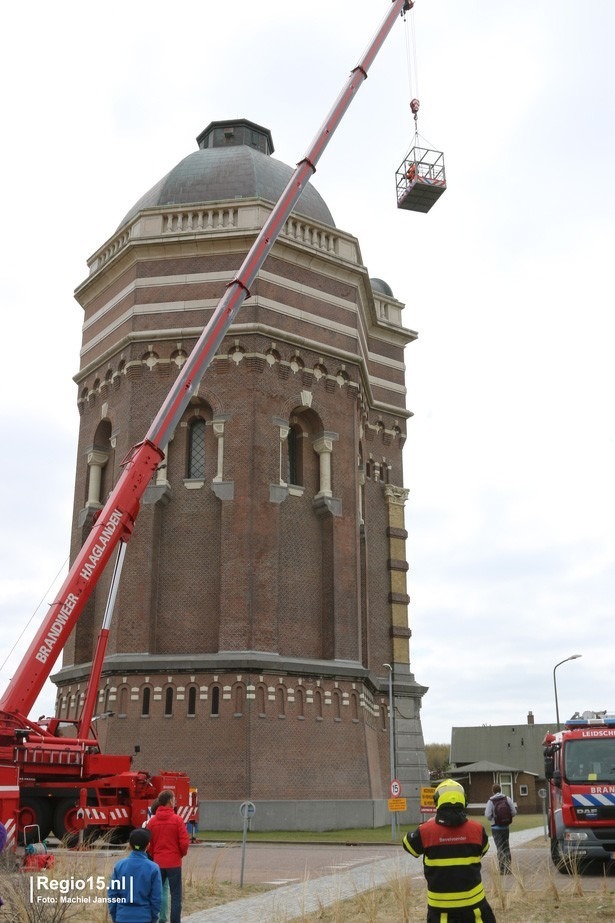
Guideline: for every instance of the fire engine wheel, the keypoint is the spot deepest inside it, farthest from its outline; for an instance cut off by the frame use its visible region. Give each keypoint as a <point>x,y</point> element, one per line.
<point>65,822</point>
<point>34,812</point>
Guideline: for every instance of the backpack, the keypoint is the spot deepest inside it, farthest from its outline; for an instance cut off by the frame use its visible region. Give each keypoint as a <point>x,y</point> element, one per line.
<point>502,815</point>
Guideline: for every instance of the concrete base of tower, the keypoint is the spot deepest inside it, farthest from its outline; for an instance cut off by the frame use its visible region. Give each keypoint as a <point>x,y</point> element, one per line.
<point>315,816</point>
<point>410,761</point>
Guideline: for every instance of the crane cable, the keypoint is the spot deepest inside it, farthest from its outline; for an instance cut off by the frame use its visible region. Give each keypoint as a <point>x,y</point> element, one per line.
<point>413,79</point>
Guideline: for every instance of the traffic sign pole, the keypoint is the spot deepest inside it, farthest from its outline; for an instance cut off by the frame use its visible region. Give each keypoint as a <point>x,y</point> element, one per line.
<point>247,810</point>
<point>391,742</point>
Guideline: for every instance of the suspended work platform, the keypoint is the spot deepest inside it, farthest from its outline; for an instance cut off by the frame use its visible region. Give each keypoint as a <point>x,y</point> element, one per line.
<point>420,179</point>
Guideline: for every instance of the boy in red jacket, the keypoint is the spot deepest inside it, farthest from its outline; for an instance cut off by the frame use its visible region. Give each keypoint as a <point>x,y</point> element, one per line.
<point>167,847</point>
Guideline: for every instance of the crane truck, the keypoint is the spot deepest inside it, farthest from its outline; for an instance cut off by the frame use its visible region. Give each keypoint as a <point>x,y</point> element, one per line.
<point>580,771</point>
<point>52,772</point>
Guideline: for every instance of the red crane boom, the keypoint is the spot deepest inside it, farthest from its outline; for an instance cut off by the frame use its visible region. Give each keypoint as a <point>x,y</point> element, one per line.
<point>35,772</point>
<point>116,520</point>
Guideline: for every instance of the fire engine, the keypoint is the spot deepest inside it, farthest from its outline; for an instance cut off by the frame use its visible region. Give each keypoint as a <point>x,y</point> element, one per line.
<point>580,770</point>
<point>52,772</point>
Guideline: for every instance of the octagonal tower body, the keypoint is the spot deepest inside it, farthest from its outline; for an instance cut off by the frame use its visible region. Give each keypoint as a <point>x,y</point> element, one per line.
<point>265,582</point>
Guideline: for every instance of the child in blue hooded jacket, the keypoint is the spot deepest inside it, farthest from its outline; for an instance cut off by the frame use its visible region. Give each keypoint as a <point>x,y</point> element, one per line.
<point>135,887</point>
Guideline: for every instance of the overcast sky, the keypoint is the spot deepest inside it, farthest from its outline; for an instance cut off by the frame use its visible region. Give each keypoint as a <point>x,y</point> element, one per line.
<point>510,457</point>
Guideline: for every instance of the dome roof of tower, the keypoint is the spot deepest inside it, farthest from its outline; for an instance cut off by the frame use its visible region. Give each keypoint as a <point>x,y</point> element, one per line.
<point>379,285</point>
<point>226,167</point>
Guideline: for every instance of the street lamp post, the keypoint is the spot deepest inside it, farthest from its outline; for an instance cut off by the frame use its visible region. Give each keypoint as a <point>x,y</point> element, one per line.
<point>572,657</point>
<point>391,739</point>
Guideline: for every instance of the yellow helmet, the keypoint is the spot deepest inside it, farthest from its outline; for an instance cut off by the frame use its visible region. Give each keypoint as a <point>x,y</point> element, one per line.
<point>449,792</point>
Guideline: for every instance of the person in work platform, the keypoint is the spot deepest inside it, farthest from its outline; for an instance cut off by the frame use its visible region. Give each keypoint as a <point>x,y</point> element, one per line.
<point>452,848</point>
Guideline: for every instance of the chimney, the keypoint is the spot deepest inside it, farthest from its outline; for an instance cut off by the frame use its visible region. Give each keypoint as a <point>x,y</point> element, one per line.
<point>530,717</point>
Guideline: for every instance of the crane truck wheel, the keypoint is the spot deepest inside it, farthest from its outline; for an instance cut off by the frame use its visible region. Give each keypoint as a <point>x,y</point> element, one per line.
<point>34,813</point>
<point>65,821</point>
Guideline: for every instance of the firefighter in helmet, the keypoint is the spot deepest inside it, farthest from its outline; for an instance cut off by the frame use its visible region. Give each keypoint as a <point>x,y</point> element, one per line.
<point>452,848</point>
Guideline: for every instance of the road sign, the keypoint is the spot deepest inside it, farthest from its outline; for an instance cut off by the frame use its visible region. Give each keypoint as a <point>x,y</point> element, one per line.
<point>247,809</point>
<point>398,804</point>
<point>428,805</point>
<point>395,788</point>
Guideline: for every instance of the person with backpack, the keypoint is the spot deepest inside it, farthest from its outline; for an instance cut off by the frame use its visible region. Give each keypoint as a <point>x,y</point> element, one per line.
<point>499,812</point>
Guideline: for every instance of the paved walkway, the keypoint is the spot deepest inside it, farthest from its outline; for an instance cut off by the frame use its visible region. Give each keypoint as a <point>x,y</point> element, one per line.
<point>292,901</point>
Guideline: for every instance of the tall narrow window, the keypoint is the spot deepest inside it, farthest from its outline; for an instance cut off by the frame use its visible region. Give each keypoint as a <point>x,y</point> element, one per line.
<point>145,702</point>
<point>238,699</point>
<point>318,704</point>
<point>280,700</point>
<point>215,700</point>
<point>168,702</point>
<point>295,455</point>
<point>123,701</point>
<point>300,702</point>
<point>192,700</point>
<point>196,449</point>
<point>261,698</point>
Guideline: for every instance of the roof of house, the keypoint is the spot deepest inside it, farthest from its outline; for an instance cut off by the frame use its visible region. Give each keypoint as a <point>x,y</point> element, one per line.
<point>517,745</point>
<point>485,766</point>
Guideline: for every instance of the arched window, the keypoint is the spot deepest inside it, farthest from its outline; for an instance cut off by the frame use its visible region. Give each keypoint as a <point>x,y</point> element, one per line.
<point>196,449</point>
<point>168,702</point>
<point>354,706</point>
<point>145,702</point>
<point>337,705</point>
<point>122,702</point>
<point>300,700</point>
<point>280,701</point>
<point>238,699</point>
<point>192,701</point>
<point>215,701</point>
<point>318,704</point>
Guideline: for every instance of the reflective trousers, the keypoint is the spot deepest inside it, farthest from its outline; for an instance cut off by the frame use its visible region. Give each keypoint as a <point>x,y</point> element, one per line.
<point>480,913</point>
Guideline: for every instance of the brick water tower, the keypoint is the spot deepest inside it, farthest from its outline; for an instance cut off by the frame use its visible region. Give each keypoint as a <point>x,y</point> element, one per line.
<point>264,588</point>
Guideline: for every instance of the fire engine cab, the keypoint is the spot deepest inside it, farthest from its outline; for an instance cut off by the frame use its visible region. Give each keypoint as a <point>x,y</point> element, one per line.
<point>580,771</point>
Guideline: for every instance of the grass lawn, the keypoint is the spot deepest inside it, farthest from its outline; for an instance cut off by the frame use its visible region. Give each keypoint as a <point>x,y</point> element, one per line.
<point>357,835</point>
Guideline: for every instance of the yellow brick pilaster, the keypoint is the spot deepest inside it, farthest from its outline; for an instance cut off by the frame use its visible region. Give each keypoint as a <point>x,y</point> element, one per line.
<point>399,600</point>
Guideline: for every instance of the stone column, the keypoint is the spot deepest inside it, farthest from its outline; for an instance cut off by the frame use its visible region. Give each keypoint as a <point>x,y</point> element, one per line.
<point>323,446</point>
<point>96,462</point>
<point>218,427</point>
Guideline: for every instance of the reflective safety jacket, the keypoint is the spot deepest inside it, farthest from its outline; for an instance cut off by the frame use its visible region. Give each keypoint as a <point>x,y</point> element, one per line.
<point>451,860</point>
